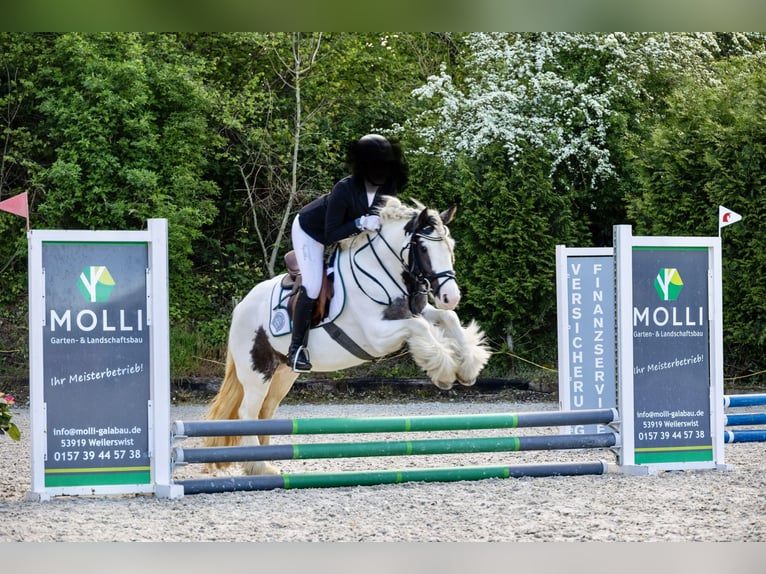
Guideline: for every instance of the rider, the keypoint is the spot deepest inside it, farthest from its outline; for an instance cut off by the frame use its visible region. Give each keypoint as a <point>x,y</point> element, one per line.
<point>377,169</point>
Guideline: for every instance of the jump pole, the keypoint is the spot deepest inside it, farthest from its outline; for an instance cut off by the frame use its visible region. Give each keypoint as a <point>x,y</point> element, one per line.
<point>182,429</point>
<point>336,425</point>
<point>370,478</point>
<point>745,436</point>
<point>744,419</point>
<point>757,399</point>
<point>391,448</point>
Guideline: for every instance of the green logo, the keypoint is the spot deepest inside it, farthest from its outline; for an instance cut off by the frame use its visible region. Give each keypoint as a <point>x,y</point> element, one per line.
<point>668,284</point>
<point>96,284</point>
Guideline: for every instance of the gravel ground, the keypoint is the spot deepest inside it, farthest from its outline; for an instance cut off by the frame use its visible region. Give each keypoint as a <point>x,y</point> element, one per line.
<point>691,506</point>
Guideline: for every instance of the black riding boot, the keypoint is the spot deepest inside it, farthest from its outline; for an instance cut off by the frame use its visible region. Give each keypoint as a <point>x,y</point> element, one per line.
<point>298,355</point>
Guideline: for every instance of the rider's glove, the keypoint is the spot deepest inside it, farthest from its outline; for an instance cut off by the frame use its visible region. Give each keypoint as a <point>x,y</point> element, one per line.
<point>371,222</point>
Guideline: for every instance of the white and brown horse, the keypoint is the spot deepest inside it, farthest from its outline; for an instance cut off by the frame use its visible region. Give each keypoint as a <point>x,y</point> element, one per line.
<point>394,287</point>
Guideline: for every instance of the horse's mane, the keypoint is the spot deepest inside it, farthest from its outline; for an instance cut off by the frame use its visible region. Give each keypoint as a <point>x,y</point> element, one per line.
<point>392,210</point>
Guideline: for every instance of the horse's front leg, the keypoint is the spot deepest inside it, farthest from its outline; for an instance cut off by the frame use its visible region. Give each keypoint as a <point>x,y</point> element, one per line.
<point>471,351</point>
<point>429,350</point>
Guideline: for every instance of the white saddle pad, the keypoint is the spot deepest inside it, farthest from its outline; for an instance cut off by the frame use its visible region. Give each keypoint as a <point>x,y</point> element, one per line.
<point>279,321</point>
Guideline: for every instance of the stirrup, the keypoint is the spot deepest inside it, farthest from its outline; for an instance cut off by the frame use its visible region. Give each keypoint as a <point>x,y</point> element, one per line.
<point>299,361</point>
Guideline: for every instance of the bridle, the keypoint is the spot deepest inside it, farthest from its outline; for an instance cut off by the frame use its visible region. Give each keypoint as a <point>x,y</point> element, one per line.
<point>419,270</point>
<point>419,278</point>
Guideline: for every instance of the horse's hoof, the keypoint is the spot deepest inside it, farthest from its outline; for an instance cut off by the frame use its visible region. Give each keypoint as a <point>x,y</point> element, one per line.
<point>468,383</point>
<point>444,385</point>
<point>260,467</point>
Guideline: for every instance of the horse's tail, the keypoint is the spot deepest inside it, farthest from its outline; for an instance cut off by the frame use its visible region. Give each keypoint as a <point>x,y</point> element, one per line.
<point>225,406</point>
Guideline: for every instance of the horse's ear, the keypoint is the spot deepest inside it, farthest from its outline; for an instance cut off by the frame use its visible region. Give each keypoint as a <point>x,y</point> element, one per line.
<point>448,214</point>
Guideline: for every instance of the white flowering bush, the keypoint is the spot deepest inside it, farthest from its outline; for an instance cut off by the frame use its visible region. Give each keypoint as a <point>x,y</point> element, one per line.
<point>555,91</point>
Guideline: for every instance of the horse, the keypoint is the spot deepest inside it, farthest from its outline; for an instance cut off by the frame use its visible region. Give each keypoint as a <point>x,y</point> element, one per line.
<point>394,288</point>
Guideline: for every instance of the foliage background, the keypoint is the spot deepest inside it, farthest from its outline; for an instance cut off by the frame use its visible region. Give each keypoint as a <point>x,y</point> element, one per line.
<point>541,139</point>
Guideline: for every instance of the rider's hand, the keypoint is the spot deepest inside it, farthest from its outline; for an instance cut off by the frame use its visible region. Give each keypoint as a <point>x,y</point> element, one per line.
<point>371,222</point>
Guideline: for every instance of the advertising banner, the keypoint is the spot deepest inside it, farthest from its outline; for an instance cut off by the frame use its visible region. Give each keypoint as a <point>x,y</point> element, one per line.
<point>669,351</point>
<point>586,315</point>
<point>671,366</point>
<point>99,369</point>
<point>96,348</point>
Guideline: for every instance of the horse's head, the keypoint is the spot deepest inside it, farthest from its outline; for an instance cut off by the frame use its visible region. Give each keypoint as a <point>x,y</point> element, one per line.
<point>432,255</point>
<point>419,240</point>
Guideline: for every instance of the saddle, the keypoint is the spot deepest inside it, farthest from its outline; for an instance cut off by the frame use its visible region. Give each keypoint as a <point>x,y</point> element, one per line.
<point>293,281</point>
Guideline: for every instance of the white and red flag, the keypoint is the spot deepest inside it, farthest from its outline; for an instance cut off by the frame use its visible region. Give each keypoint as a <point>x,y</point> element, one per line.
<point>17,205</point>
<point>727,217</point>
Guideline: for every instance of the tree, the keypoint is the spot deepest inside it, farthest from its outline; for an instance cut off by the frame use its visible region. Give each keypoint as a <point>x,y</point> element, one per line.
<point>128,139</point>
<point>281,169</point>
<point>20,146</point>
<point>509,221</point>
<point>573,96</point>
<point>289,104</point>
<point>552,91</point>
<point>708,151</point>
<point>545,127</point>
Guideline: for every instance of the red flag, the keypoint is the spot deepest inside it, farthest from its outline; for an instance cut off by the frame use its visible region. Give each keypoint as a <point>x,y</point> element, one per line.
<point>17,205</point>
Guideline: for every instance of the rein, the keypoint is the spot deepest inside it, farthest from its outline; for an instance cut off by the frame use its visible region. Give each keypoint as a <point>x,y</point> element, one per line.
<point>418,282</point>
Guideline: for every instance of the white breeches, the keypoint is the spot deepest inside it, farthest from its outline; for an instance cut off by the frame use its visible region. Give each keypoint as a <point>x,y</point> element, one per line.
<point>310,254</point>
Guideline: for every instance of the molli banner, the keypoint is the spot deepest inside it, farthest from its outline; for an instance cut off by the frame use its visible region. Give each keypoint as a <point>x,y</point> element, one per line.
<point>671,362</point>
<point>96,352</point>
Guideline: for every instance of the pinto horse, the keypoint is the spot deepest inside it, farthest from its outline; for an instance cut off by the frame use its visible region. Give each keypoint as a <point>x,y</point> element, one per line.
<point>394,288</point>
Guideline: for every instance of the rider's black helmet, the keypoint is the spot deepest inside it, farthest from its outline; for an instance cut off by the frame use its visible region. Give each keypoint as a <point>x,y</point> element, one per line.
<point>376,159</point>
